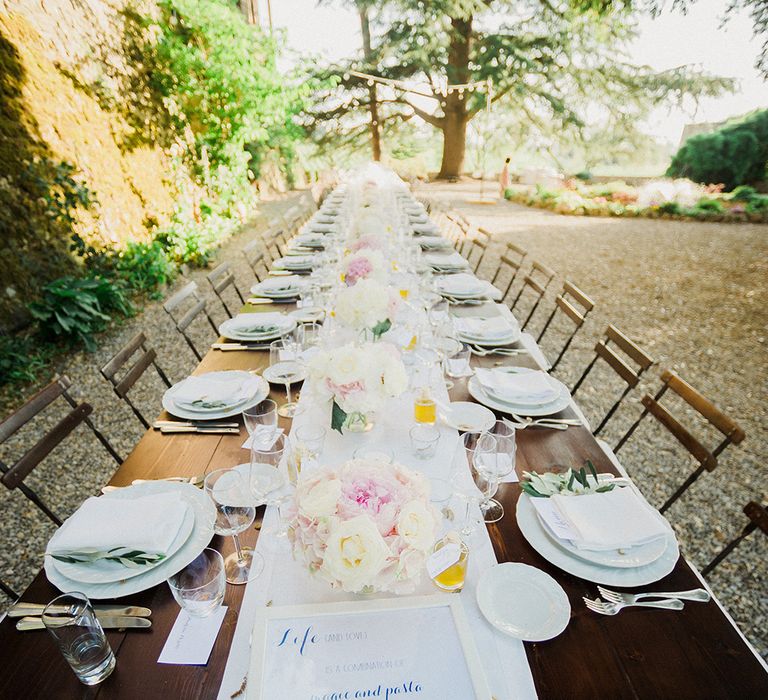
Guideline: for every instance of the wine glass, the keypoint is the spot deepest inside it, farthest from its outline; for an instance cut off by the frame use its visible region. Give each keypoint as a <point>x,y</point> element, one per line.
<point>265,473</point>
<point>261,420</point>
<point>461,481</point>
<point>235,512</point>
<point>285,365</point>
<point>494,459</point>
<point>308,335</point>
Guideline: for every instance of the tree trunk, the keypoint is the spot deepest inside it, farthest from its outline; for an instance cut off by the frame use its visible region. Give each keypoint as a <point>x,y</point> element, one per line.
<point>454,125</point>
<point>372,93</point>
<point>250,8</point>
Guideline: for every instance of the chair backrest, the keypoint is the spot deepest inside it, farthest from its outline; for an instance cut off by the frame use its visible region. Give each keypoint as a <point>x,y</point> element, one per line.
<point>510,264</point>
<point>758,518</point>
<point>478,244</point>
<point>575,306</point>
<point>221,279</point>
<point>618,352</point>
<point>13,475</point>
<point>254,256</point>
<point>535,282</point>
<point>188,297</point>
<point>145,357</point>
<point>705,457</point>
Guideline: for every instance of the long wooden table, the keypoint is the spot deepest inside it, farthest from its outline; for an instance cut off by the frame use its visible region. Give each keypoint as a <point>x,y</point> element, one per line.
<point>695,653</point>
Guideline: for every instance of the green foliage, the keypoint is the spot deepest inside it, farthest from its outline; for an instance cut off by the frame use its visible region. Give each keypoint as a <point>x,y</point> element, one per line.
<point>191,242</point>
<point>21,358</point>
<point>671,208</point>
<point>736,154</point>
<point>709,205</point>
<point>584,175</point>
<point>744,193</point>
<point>75,309</point>
<point>146,267</point>
<point>758,205</point>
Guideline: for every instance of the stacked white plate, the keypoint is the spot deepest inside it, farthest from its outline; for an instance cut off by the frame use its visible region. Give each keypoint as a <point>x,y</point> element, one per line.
<point>433,242</point>
<point>105,579</point>
<point>487,332</point>
<point>521,404</point>
<point>463,286</point>
<point>428,229</point>
<point>446,262</point>
<point>279,287</point>
<point>295,262</point>
<point>257,327</point>
<point>630,566</point>
<point>246,390</point>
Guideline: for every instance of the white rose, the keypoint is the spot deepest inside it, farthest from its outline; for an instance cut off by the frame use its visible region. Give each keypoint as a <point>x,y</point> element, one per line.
<point>416,525</point>
<point>317,498</point>
<point>355,553</point>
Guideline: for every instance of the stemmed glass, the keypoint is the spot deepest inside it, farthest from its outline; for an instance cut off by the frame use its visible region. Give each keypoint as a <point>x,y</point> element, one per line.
<point>462,482</point>
<point>267,484</point>
<point>285,365</point>
<point>494,459</point>
<point>235,512</point>
<point>261,421</point>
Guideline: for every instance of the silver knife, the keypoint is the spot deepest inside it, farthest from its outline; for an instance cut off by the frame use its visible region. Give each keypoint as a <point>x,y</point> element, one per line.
<point>24,609</point>
<point>237,346</point>
<point>192,424</point>
<point>169,430</point>
<point>109,622</point>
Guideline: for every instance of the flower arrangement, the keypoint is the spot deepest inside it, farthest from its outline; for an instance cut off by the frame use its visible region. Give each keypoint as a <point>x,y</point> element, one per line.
<point>368,241</point>
<point>358,379</point>
<point>368,264</point>
<point>368,304</point>
<point>365,526</point>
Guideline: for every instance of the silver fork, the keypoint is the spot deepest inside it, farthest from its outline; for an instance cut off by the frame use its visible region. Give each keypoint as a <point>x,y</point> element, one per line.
<point>698,594</point>
<point>483,352</point>
<point>610,608</point>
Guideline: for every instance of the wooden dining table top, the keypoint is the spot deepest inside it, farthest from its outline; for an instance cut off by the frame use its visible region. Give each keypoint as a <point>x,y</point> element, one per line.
<point>639,653</point>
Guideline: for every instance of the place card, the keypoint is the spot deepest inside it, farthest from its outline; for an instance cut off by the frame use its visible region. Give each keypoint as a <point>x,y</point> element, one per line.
<point>551,516</point>
<point>265,437</point>
<point>192,638</point>
<point>443,558</point>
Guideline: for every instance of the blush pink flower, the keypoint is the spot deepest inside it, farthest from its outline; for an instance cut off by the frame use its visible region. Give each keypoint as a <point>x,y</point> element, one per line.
<point>358,268</point>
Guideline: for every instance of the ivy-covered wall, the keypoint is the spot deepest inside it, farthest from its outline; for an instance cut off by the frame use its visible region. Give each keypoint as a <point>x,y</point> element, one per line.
<point>61,146</point>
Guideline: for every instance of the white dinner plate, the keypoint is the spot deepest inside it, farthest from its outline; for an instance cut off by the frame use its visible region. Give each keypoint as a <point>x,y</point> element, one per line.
<point>541,541</point>
<point>527,401</point>
<point>199,539</point>
<point>477,392</point>
<point>103,571</point>
<point>260,391</point>
<point>264,476</point>
<point>498,341</point>
<point>308,314</point>
<point>467,416</point>
<point>228,329</point>
<point>523,602</point>
<point>272,375</point>
<point>624,558</point>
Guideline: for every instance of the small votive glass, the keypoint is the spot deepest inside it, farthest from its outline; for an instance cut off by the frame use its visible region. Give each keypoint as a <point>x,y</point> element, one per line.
<point>73,625</point>
<point>424,439</point>
<point>457,362</point>
<point>199,587</point>
<point>452,577</point>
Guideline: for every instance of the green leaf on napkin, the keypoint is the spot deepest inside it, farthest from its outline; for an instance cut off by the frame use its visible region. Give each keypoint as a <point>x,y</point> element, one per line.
<point>567,483</point>
<point>202,403</point>
<point>381,328</point>
<point>338,417</point>
<point>272,328</point>
<point>132,558</point>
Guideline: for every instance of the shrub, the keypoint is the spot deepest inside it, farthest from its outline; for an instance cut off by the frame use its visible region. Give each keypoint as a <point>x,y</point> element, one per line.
<point>758,204</point>
<point>584,175</point>
<point>744,193</point>
<point>736,154</point>
<point>671,208</point>
<point>21,358</point>
<point>146,267</point>
<point>75,309</point>
<point>710,205</point>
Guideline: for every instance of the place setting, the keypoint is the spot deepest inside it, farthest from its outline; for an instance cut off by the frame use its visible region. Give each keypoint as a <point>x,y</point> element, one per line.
<point>463,287</point>
<point>284,288</point>
<point>255,330</point>
<point>494,335</point>
<point>299,263</point>
<point>446,262</point>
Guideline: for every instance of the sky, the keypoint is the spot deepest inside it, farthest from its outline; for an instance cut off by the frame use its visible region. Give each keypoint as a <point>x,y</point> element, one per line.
<point>671,40</point>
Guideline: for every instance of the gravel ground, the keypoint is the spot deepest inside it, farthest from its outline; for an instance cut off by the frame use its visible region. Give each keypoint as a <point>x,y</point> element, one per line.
<point>694,296</point>
<point>80,466</point>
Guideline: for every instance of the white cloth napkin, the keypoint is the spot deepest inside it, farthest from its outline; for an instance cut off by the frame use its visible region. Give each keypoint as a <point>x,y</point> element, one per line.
<point>257,323</point>
<point>485,328</point>
<point>148,523</point>
<point>453,260</point>
<point>610,520</point>
<point>519,387</point>
<point>229,390</point>
<point>294,261</point>
<point>463,283</point>
<point>278,284</point>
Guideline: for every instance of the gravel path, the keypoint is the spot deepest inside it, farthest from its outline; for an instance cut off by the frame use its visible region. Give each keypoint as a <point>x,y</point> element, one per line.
<point>693,295</point>
<point>80,466</point>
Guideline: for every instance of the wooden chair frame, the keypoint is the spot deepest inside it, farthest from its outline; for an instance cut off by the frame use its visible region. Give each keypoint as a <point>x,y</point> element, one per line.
<point>568,302</point>
<point>254,256</point>
<point>482,246</point>
<point>515,265</point>
<point>147,357</point>
<point>13,475</point>
<point>706,458</point>
<point>758,518</point>
<point>184,320</point>
<point>605,351</point>
<point>537,280</point>
<point>220,279</point>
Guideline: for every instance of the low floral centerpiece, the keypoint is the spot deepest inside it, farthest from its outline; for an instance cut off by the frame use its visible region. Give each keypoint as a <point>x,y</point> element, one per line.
<point>357,379</point>
<point>367,305</point>
<point>364,526</point>
<point>364,264</point>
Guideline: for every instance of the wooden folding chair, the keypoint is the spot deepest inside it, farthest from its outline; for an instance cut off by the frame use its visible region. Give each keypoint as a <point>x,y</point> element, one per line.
<point>510,263</point>
<point>606,350</point>
<point>146,357</point>
<point>13,476</point>
<point>758,518</point>
<point>537,280</point>
<point>706,458</point>
<point>189,297</point>
<point>478,244</point>
<point>254,256</point>
<point>575,305</point>
<point>8,591</point>
<point>221,279</point>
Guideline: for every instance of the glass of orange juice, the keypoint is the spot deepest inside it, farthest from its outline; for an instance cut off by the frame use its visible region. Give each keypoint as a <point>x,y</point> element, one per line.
<point>451,578</point>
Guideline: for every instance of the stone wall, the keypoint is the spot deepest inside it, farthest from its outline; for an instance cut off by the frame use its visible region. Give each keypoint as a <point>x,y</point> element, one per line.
<point>52,53</point>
